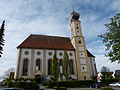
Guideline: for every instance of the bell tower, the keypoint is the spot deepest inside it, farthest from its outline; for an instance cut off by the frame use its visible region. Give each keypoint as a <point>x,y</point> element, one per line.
<point>77,40</point>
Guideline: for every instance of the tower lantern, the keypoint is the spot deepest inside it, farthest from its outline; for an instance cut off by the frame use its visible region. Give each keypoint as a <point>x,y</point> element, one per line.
<point>74,16</point>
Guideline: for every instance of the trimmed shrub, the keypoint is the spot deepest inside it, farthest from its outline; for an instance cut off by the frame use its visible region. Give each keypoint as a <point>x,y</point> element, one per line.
<point>106,82</point>
<point>80,83</point>
<point>25,85</point>
<point>71,84</point>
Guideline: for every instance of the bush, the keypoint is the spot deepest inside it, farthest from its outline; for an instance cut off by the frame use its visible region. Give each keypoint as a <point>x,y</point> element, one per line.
<point>71,84</point>
<point>106,82</point>
<point>79,83</point>
<point>25,85</point>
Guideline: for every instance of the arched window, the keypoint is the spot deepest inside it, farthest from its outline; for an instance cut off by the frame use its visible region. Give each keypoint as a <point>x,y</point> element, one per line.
<point>37,64</point>
<point>71,67</point>
<point>49,66</point>
<point>61,65</point>
<point>25,66</point>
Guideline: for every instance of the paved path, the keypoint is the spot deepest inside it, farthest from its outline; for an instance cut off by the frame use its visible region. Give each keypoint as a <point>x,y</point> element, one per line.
<point>116,88</point>
<point>83,89</point>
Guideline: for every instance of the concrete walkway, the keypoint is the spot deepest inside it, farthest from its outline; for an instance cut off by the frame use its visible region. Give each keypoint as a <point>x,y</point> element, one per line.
<point>116,88</point>
<point>83,89</point>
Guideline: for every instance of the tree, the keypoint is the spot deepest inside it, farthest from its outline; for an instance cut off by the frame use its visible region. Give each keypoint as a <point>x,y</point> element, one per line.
<point>105,72</point>
<point>1,37</point>
<point>0,77</point>
<point>112,38</point>
<point>66,69</point>
<point>55,68</point>
<point>7,74</point>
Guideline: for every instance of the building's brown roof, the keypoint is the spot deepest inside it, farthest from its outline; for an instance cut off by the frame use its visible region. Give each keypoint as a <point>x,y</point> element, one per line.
<point>89,54</point>
<point>47,42</point>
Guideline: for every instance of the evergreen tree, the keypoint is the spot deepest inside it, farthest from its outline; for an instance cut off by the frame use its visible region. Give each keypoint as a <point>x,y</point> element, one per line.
<point>1,37</point>
<point>66,69</point>
<point>55,68</point>
<point>112,38</point>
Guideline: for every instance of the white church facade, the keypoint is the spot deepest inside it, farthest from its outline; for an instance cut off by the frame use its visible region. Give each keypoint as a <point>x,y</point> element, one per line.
<point>36,52</point>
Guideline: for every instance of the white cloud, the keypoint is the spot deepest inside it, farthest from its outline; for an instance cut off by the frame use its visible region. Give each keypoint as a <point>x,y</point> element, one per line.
<point>101,61</point>
<point>96,47</point>
<point>94,24</point>
<point>116,4</point>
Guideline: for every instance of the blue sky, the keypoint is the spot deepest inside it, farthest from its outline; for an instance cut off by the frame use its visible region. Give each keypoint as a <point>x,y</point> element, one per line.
<point>51,17</point>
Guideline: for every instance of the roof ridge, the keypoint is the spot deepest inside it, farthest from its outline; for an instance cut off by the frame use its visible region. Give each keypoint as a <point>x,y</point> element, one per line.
<point>48,35</point>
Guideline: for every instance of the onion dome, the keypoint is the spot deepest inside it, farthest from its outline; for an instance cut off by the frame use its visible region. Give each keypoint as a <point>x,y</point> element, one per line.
<point>74,15</point>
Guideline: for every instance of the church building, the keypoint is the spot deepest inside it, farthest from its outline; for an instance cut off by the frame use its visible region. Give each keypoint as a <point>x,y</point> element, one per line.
<point>35,54</point>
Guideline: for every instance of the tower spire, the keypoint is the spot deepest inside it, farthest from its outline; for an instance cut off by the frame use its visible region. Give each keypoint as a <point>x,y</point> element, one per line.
<point>73,8</point>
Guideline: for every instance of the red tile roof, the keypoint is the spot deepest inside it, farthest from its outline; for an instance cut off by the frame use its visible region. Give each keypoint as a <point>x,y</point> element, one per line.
<point>47,42</point>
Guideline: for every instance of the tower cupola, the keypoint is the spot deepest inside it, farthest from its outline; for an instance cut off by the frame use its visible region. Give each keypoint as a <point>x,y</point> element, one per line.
<point>74,15</point>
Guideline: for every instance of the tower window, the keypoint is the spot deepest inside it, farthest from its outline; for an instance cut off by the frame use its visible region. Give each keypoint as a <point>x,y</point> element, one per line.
<point>82,54</point>
<point>77,26</point>
<point>83,68</point>
<point>79,42</point>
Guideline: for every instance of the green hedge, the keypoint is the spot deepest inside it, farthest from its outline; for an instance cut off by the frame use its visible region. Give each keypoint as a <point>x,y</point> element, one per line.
<point>25,85</point>
<point>80,83</point>
<point>106,82</point>
<point>71,84</point>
